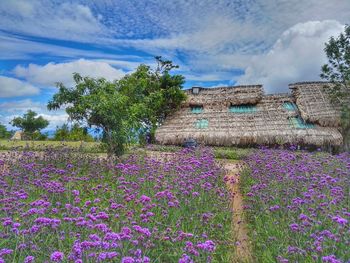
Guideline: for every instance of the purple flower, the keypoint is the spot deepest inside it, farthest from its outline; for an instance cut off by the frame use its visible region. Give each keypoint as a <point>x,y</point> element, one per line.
<point>331,259</point>
<point>29,259</point>
<point>303,217</point>
<point>128,260</point>
<point>5,251</point>
<point>282,260</point>
<point>185,259</point>
<point>340,220</point>
<point>57,256</point>
<point>294,227</point>
<point>145,199</point>
<point>207,246</point>
<point>274,208</point>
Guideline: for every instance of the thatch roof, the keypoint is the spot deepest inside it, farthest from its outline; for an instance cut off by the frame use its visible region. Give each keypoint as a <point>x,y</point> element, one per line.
<point>17,135</point>
<point>269,123</point>
<point>315,104</point>
<point>226,95</point>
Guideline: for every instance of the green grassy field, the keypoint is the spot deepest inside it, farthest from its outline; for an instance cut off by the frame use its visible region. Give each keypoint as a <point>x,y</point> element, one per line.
<point>88,147</point>
<point>233,153</point>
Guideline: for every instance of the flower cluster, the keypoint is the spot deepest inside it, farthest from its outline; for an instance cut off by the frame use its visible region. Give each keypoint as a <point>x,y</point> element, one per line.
<point>60,206</point>
<point>299,205</point>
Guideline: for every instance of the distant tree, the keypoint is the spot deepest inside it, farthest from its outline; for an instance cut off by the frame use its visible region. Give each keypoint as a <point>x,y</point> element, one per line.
<point>61,133</point>
<point>4,133</point>
<point>337,71</point>
<point>30,123</point>
<point>75,133</point>
<point>125,108</point>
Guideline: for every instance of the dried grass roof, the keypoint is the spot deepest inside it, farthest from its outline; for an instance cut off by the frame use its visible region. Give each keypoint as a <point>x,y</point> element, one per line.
<point>269,124</point>
<point>250,94</point>
<point>314,103</point>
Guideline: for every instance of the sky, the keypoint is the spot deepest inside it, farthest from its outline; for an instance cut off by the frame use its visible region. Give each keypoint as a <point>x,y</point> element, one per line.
<point>215,43</point>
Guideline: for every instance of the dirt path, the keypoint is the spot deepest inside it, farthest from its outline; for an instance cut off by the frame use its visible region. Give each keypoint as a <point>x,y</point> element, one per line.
<point>243,245</point>
<point>243,252</point>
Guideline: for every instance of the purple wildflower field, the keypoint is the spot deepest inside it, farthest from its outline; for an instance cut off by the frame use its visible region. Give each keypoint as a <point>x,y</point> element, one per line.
<point>67,207</point>
<point>298,206</point>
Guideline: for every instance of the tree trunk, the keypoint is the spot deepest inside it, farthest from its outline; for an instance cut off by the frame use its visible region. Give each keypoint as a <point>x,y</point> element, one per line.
<point>346,140</point>
<point>153,133</point>
<point>346,143</point>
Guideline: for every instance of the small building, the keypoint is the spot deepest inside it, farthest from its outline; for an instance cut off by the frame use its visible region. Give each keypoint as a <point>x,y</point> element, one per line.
<point>244,115</point>
<point>17,136</point>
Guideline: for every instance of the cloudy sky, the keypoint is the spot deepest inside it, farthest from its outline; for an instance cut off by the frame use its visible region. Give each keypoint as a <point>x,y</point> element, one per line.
<point>215,43</point>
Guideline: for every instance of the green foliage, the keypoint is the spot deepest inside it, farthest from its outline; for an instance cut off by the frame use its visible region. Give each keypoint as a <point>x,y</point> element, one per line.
<point>125,108</point>
<point>232,153</point>
<point>30,124</point>
<point>38,136</point>
<point>337,71</point>
<point>74,133</point>
<point>4,133</point>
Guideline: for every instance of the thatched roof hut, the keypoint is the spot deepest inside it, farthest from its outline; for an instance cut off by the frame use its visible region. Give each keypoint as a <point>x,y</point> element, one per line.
<point>17,136</point>
<point>243,115</point>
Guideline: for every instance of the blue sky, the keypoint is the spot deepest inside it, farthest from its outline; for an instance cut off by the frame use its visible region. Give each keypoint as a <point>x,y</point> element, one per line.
<point>215,43</point>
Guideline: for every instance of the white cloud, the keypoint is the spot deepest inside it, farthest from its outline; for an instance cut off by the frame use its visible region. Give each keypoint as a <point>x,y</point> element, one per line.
<point>128,65</point>
<point>212,39</point>
<point>12,109</point>
<point>16,47</point>
<point>11,87</point>
<point>20,106</point>
<point>68,21</point>
<point>296,56</point>
<point>215,34</point>
<point>55,119</point>
<point>51,73</point>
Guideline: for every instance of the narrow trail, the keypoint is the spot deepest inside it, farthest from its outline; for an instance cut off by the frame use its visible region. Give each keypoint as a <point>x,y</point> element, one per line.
<point>240,231</point>
<point>243,251</point>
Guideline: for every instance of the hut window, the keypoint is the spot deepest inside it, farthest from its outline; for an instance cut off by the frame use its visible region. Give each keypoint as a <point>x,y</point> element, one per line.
<point>202,124</point>
<point>290,106</point>
<point>195,90</point>
<point>197,109</point>
<point>246,108</point>
<point>299,123</point>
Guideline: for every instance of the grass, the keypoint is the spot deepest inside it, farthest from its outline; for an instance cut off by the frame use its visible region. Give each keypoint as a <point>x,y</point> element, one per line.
<point>233,153</point>
<point>297,206</point>
<point>86,147</point>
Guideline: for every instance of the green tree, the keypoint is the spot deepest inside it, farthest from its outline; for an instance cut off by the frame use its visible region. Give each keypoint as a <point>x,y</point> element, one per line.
<point>124,108</point>
<point>4,133</point>
<point>30,123</point>
<point>153,94</point>
<point>337,71</point>
<point>75,133</point>
<point>62,133</point>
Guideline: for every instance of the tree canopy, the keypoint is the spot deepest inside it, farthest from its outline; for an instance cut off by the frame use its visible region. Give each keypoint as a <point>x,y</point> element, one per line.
<point>73,133</point>
<point>125,108</point>
<point>337,71</point>
<point>4,133</point>
<point>30,123</point>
